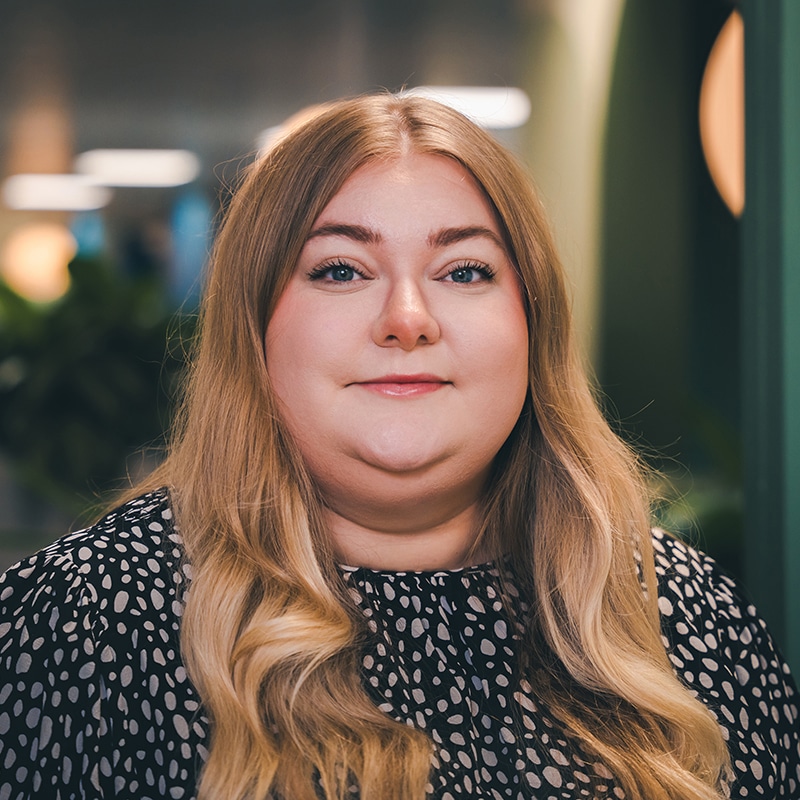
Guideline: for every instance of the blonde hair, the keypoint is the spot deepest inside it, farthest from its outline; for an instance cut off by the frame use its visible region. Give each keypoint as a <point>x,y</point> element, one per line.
<point>269,637</point>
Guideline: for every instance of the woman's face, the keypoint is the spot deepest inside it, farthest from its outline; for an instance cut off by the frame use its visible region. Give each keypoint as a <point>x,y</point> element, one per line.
<point>399,349</point>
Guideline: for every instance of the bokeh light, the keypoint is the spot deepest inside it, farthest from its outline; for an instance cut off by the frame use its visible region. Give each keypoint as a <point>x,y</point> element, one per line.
<point>34,259</point>
<point>722,113</point>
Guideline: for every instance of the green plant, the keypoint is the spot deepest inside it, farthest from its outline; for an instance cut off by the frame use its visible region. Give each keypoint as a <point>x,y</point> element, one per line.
<point>86,381</point>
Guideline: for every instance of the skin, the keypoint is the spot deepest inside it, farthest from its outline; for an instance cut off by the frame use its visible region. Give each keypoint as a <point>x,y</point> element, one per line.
<point>399,354</point>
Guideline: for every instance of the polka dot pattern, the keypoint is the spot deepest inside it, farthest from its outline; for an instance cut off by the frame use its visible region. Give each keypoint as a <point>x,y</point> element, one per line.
<point>723,651</point>
<point>95,701</point>
<point>441,658</point>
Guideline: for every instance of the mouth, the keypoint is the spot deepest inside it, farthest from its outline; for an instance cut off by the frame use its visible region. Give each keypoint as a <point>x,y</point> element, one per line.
<point>404,385</point>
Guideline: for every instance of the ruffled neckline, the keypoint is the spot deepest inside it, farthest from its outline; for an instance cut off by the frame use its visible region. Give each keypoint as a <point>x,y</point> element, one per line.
<point>485,568</point>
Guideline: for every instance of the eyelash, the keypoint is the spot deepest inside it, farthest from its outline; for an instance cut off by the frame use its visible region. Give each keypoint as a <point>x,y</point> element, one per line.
<point>484,270</point>
<point>320,272</point>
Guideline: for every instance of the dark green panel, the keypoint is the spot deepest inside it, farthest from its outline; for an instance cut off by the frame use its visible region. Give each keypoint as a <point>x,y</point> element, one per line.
<point>771,315</point>
<point>791,317</point>
<point>647,225</point>
<point>671,258</point>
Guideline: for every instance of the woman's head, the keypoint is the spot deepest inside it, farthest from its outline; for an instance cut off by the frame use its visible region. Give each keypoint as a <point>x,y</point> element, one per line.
<point>399,354</point>
<point>284,193</point>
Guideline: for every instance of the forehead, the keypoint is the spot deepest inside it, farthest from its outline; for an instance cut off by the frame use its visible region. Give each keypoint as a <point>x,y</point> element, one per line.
<point>424,185</point>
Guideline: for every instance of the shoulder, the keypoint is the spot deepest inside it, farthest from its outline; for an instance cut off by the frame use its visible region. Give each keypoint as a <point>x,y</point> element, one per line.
<point>90,662</point>
<point>141,527</point>
<point>139,532</point>
<point>704,611</point>
<point>693,580</point>
<point>721,648</point>
<point>696,595</point>
<point>131,556</point>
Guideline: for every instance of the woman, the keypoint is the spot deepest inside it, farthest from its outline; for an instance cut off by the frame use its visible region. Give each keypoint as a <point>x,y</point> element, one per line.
<point>417,559</point>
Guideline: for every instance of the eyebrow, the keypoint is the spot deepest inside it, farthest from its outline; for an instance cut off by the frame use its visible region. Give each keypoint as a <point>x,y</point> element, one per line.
<point>448,236</point>
<point>440,238</point>
<point>358,233</point>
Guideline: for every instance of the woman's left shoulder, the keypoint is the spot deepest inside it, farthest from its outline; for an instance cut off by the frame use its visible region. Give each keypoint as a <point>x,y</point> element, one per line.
<point>705,609</point>
<point>694,582</point>
<point>696,593</point>
<point>722,649</point>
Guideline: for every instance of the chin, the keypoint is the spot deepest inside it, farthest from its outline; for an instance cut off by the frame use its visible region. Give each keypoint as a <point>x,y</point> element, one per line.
<point>401,464</point>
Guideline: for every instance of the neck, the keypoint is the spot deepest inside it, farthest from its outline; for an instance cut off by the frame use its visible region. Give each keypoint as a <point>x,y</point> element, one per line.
<point>444,544</point>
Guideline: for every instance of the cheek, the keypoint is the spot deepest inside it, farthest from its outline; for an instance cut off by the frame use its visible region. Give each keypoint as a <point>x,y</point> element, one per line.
<point>501,343</point>
<point>511,378</point>
<point>277,341</point>
<point>287,347</point>
<point>506,364</point>
<point>306,354</point>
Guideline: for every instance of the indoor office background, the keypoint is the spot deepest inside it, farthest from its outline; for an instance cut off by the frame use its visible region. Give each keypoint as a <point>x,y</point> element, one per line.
<point>97,305</point>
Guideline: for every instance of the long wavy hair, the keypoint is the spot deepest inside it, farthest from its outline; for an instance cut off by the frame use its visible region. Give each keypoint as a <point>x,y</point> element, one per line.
<point>270,638</point>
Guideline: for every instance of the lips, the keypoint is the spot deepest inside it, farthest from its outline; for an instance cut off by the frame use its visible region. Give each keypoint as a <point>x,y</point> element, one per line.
<point>404,385</point>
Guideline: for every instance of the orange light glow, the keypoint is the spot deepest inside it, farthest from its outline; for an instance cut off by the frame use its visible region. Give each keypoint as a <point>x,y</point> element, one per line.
<point>34,260</point>
<point>722,113</point>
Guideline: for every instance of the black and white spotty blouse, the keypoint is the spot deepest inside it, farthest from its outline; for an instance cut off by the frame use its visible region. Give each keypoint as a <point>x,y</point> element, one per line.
<point>95,701</point>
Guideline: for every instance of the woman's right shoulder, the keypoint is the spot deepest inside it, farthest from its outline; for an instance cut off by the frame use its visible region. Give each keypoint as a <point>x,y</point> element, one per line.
<point>138,536</point>
<point>90,661</point>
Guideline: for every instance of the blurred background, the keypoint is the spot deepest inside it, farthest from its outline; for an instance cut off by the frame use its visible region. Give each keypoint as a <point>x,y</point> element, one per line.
<point>99,281</point>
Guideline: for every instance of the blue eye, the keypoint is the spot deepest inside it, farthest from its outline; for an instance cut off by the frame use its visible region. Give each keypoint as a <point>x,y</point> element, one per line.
<point>473,273</point>
<point>463,275</point>
<point>334,273</point>
<point>342,273</point>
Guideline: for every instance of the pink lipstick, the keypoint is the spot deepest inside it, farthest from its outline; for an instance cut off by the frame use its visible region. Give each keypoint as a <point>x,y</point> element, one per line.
<point>404,385</point>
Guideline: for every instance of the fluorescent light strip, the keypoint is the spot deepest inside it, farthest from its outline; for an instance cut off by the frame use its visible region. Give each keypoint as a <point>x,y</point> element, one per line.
<point>152,168</point>
<point>47,192</point>
<point>493,107</point>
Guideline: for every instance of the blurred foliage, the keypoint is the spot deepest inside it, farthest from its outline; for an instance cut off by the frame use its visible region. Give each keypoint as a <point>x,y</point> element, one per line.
<point>707,512</point>
<point>87,380</point>
<point>706,508</point>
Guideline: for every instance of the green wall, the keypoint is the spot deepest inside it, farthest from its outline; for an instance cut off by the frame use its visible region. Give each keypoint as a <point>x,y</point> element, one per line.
<point>669,351</point>
<point>771,315</point>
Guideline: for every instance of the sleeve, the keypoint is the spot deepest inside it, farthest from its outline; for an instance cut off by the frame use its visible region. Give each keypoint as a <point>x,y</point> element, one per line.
<point>723,651</point>
<point>50,688</point>
<point>764,727</point>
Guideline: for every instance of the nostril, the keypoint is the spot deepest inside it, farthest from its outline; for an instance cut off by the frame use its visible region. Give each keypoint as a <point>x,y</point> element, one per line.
<point>406,320</point>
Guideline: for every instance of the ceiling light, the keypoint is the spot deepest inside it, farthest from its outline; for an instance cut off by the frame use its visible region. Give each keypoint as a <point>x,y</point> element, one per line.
<point>44,192</point>
<point>158,168</point>
<point>493,107</point>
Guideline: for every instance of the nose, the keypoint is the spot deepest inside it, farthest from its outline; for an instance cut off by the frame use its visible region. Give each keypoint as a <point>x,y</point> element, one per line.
<point>405,320</point>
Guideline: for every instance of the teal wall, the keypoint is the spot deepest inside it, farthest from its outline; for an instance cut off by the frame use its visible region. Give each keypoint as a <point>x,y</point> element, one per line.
<point>771,315</point>
<point>700,345</point>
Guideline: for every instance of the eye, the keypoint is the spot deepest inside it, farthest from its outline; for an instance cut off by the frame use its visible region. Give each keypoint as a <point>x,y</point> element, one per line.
<point>338,272</point>
<point>470,273</point>
<point>341,273</point>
